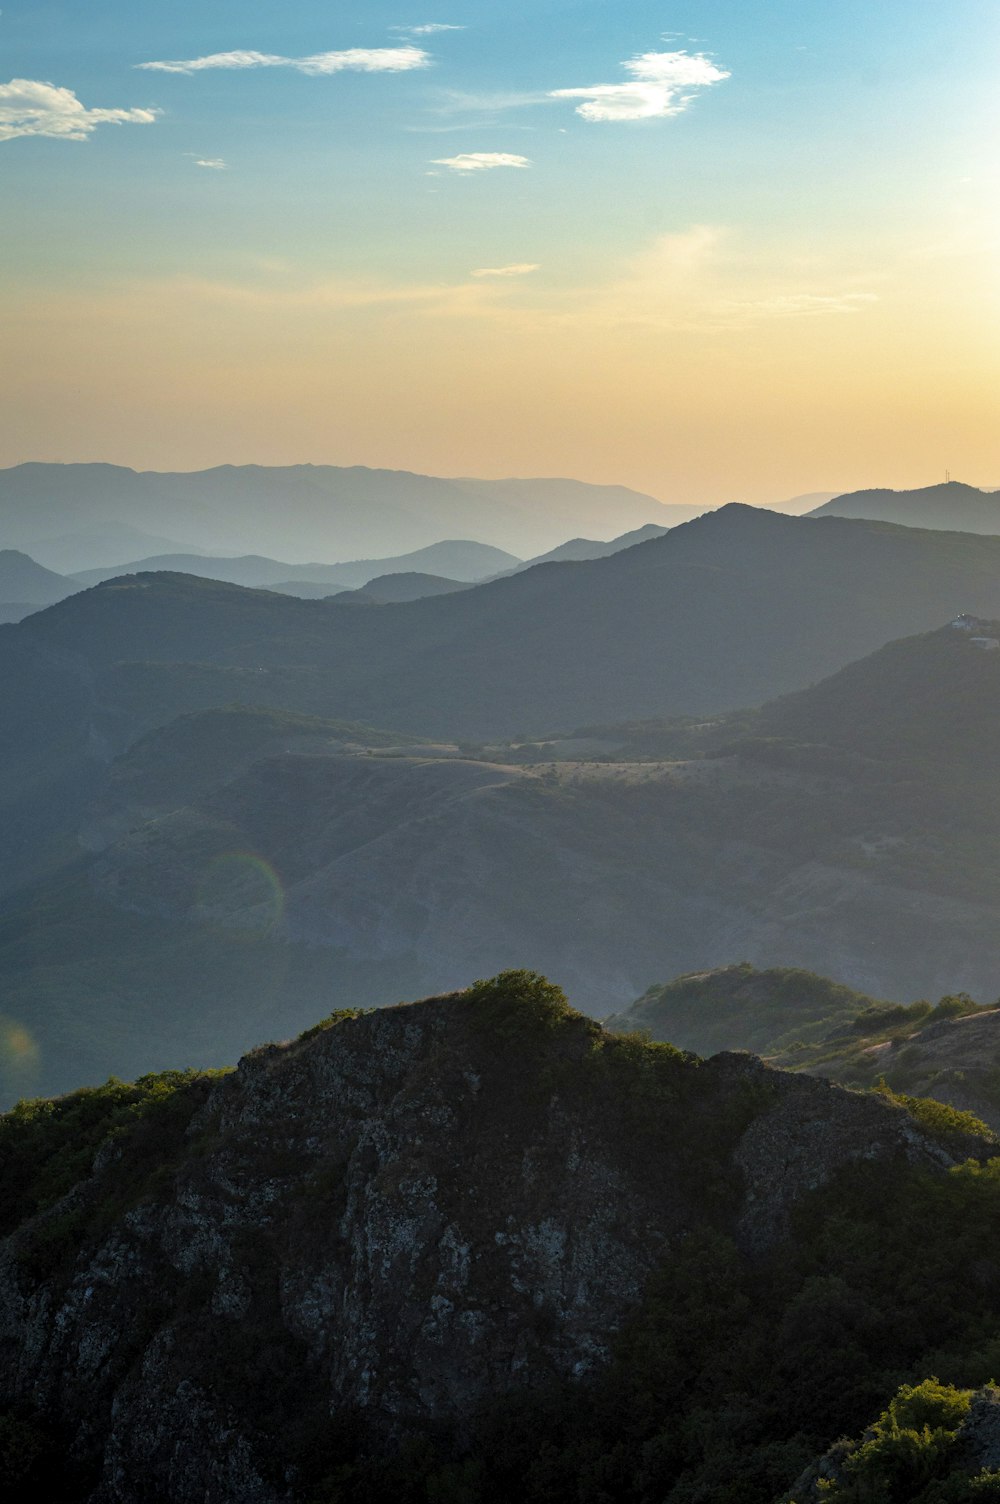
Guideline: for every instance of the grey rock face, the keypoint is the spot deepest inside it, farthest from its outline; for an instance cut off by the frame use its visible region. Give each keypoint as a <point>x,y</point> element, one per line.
<point>398,1217</point>
<point>980,1435</point>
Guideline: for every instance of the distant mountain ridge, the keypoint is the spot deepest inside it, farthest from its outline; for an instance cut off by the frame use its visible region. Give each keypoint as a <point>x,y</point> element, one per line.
<point>388,589</point>
<point>302,510</point>
<point>26,585</point>
<point>459,559</point>
<point>578,549</point>
<point>736,607</point>
<point>950,506</point>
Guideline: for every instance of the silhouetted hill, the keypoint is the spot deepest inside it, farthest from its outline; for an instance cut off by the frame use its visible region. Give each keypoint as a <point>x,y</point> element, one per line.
<point>733,608</point>
<point>455,559</point>
<point>307,510</point>
<point>461,560</point>
<point>252,570</point>
<point>386,589</point>
<point>103,544</point>
<point>934,697</point>
<point>25,585</point>
<point>589,548</point>
<point>949,1050</point>
<point>741,1008</point>
<point>951,505</point>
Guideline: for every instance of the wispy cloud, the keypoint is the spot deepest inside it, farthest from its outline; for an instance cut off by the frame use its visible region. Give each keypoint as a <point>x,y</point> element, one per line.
<point>428,30</point>
<point>32,108</point>
<point>805,305</point>
<point>460,102</point>
<point>519,269</point>
<point>480,161</point>
<point>351,60</point>
<point>695,282</point>
<point>662,84</point>
<point>215,163</point>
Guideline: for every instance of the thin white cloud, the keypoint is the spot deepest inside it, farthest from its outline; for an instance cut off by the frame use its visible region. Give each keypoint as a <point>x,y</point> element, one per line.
<point>32,108</point>
<point>519,269</point>
<point>215,163</point>
<point>806,304</point>
<point>662,84</point>
<point>351,60</point>
<point>480,161</point>
<point>431,29</point>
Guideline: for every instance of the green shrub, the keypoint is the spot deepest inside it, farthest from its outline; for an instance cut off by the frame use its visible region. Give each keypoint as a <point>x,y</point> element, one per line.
<point>518,1003</point>
<point>47,1146</point>
<point>949,1125</point>
<point>909,1446</point>
<point>338,1016</point>
<point>954,1005</point>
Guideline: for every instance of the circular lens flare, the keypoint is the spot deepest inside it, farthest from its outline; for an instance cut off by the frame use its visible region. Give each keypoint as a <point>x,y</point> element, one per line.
<point>241,890</point>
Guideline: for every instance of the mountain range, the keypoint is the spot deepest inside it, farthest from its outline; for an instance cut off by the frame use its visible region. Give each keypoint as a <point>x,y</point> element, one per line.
<point>302,510</point>
<point>731,609</point>
<point>952,505</point>
<point>848,829</point>
<point>459,559</point>
<point>25,585</point>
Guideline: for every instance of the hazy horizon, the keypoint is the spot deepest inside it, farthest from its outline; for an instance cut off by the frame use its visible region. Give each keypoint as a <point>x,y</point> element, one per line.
<point>740,259</point>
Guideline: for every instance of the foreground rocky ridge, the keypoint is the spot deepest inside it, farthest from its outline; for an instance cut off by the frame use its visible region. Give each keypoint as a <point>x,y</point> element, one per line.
<point>387,1224</point>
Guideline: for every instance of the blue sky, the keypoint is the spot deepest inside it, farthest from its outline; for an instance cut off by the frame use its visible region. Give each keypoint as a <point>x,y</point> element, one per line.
<point>822,158</point>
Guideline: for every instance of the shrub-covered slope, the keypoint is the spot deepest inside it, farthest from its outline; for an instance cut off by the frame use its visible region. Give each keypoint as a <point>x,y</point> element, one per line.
<point>948,1051</point>
<point>475,1249</point>
<point>738,1007</point>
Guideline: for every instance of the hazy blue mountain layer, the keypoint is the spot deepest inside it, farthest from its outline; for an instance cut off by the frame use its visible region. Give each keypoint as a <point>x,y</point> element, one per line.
<point>305,510</point>
<point>734,608</point>
<point>459,559</point>
<point>950,505</point>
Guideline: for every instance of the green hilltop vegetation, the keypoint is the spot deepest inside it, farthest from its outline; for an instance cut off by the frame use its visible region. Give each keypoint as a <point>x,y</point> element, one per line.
<point>926,1447</point>
<point>739,1007</point>
<point>760,1333</point>
<point>949,1050</point>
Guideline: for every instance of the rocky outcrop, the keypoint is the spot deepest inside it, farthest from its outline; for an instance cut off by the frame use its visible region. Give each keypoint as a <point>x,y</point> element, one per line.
<point>394,1219</point>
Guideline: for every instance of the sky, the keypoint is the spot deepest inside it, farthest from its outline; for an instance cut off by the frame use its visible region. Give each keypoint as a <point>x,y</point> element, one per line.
<point>715,249</point>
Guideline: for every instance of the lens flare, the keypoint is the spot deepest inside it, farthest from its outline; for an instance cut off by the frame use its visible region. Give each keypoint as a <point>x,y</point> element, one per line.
<point>241,890</point>
<point>19,1056</point>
